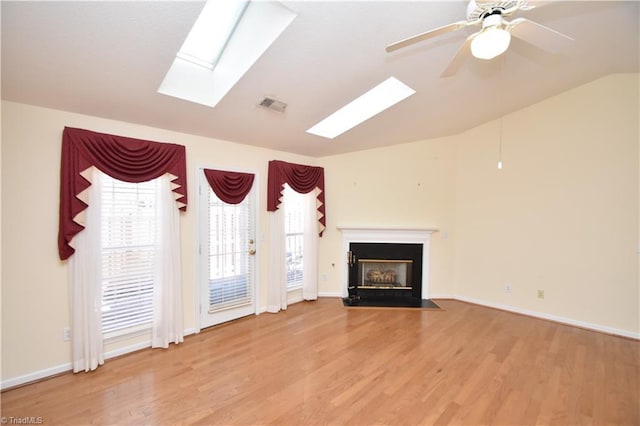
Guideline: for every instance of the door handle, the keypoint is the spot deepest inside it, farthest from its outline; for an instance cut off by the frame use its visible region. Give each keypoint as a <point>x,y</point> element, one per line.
<point>252,252</point>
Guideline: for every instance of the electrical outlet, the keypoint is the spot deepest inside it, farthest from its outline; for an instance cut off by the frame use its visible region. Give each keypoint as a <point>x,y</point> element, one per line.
<point>507,288</point>
<point>66,334</point>
<point>540,294</point>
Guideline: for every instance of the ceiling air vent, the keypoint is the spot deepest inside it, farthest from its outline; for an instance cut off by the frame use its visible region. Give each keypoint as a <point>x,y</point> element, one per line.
<point>273,104</point>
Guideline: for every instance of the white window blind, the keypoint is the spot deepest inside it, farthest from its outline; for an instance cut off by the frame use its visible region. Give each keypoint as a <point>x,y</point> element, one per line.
<point>230,267</point>
<point>294,235</point>
<point>129,226</point>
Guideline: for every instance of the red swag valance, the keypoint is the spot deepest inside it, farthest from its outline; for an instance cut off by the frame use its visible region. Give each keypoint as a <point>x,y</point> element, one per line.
<point>302,179</point>
<point>126,159</point>
<point>230,187</point>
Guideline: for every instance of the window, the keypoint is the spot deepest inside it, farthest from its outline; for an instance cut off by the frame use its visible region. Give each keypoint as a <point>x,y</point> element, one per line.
<point>129,235</point>
<point>294,235</point>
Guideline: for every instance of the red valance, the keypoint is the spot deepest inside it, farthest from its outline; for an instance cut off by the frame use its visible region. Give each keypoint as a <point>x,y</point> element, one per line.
<point>126,159</point>
<point>302,179</point>
<point>230,187</point>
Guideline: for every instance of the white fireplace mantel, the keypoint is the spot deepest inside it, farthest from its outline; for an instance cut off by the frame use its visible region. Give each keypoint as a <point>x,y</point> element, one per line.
<point>388,234</point>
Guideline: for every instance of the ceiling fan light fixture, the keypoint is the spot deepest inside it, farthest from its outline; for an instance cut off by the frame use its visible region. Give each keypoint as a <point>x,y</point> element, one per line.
<point>491,42</point>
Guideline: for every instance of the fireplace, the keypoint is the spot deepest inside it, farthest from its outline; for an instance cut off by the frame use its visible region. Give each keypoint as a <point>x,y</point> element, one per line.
<point>385,273</point>
<point>384,270</point>
<point>386,262</point>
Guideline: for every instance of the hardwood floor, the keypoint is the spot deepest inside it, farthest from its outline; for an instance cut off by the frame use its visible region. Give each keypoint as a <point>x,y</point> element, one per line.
<point>321,363</point>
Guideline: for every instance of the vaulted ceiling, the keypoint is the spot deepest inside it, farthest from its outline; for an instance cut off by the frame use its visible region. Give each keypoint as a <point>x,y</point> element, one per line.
<point>107,59</point>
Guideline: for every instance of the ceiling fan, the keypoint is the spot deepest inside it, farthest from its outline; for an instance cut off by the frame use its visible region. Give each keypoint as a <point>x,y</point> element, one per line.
<point>495,34</point>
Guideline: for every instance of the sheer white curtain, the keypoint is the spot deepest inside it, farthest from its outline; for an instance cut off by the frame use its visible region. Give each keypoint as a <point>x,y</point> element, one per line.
<point>167,293</point>
<point>85,284</point>
<point>310,247</point>
<point>277,289</point>
<point>86,277</point>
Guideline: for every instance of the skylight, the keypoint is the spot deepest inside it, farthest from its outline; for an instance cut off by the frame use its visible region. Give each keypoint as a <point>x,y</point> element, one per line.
<point>227,39</point>
<point>211,32</point>
<point>376,100</point>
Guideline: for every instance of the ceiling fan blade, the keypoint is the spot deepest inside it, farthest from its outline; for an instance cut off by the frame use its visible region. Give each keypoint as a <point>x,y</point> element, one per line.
<point>427,35</point>
<point>540,36</point>
<point>461,55</point>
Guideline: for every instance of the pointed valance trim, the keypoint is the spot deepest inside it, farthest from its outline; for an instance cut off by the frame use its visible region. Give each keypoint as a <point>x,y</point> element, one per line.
<point>302,179</point>
<point>123,158</point>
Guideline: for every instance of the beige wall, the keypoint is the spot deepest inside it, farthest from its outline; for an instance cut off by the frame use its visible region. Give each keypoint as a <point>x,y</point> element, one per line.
<point>35,305</point>
<point>410,185</point>
<point>562,216</point>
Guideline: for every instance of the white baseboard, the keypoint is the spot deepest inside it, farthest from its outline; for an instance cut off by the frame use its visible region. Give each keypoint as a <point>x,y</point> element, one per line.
<point>66,367</point>
<point>36,375</point>
<point>190,331</point>
<point>330,294</point>
<point>550,317</point>
<point>441,296</point>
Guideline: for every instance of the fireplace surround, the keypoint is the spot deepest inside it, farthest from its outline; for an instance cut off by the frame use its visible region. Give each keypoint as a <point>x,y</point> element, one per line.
<point>384,270</point>
<point>398,264</point>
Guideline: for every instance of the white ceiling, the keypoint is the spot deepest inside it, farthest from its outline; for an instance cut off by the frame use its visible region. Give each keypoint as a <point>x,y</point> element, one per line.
<point>108,59</point>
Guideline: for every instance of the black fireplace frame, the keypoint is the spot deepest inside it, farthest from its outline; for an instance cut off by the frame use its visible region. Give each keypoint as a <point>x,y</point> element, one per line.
<point>385,251</point>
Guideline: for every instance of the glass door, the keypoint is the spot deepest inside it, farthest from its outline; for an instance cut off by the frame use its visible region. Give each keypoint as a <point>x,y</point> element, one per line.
<point>227,257</point>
